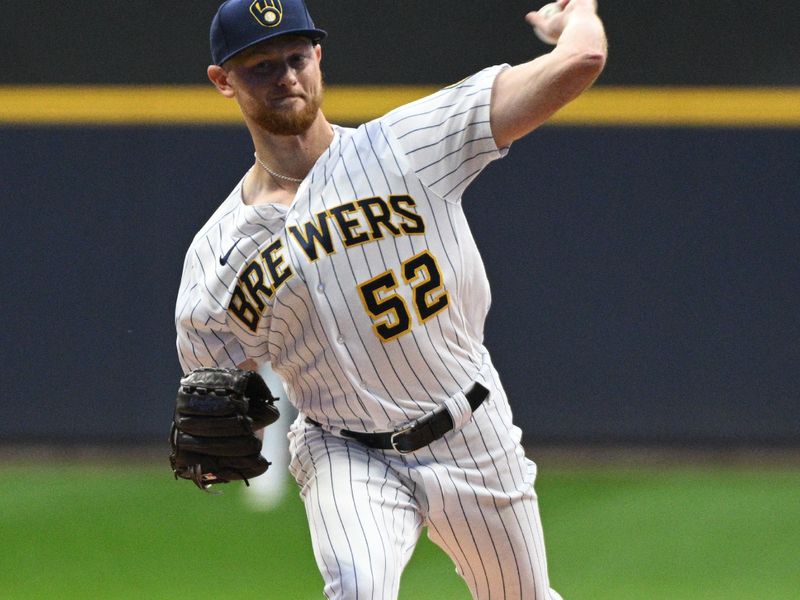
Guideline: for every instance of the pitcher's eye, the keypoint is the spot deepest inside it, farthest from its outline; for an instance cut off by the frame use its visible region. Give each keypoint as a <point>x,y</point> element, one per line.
<point>298,60</point>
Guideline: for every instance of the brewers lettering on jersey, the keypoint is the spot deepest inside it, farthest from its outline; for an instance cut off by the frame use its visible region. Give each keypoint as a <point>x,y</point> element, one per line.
<point>343,258</point>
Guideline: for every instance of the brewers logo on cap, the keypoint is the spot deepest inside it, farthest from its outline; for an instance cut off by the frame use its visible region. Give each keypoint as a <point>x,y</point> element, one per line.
<point>268,13</point>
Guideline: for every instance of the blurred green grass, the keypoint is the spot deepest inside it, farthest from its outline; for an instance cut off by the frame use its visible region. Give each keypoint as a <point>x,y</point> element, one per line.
<point>124,532</point>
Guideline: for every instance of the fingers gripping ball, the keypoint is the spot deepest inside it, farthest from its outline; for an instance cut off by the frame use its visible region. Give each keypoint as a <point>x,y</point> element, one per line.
<point>217,415</point>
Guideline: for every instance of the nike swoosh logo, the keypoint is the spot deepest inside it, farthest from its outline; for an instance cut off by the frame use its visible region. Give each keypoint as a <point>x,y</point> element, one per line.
<point>223,260</point>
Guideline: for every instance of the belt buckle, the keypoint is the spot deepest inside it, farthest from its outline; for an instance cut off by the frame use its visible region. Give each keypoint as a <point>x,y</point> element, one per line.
<point>395,434</point>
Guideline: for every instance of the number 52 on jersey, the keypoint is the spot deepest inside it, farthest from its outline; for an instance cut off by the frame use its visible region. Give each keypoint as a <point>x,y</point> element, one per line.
<point>389,309</point>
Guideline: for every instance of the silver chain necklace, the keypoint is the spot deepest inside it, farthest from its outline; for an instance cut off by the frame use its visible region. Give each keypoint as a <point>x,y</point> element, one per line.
<point>273,173</point>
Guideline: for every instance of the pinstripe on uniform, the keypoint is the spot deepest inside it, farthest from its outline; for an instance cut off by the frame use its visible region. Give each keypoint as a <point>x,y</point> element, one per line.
<point>377,322</point>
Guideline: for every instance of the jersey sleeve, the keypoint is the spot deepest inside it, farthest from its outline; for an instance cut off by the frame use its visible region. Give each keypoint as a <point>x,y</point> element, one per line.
<point>204,339</point>
<point>447,136</point>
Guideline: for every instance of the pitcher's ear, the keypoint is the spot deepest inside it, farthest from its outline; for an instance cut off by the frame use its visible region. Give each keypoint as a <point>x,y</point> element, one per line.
<point>219,77</point>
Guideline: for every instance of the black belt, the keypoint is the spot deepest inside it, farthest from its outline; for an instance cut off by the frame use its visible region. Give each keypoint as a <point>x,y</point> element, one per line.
<point>419,433</point>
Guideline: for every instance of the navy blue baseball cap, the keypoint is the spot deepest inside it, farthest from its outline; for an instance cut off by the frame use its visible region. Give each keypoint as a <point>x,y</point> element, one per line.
<point>240,24</point>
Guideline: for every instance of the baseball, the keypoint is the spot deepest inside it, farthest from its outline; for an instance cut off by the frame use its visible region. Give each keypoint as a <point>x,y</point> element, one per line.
<point>547,11</point>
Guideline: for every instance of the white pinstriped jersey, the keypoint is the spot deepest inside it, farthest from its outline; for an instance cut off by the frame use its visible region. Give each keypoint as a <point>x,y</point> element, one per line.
<point>367,295</point>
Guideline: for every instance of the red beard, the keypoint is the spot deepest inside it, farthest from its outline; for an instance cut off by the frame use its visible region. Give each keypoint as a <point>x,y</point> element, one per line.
<point>290,122</point>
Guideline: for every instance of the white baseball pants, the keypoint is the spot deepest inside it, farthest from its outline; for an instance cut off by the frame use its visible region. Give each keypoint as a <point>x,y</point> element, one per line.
<point>473,489</point>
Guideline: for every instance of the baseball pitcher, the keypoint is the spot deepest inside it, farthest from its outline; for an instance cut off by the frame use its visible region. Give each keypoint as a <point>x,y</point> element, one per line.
<point>344,259</point>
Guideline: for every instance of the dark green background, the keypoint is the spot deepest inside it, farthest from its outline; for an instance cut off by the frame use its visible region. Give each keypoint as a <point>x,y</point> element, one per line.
<point>645,280</point>
<point>414,41</point>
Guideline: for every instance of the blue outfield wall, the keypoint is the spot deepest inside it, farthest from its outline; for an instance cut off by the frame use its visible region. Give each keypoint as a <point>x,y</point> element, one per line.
<point>645,281</point>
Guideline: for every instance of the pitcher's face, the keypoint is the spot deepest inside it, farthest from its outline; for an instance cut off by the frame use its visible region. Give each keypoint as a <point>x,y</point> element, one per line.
<point>278,84</point>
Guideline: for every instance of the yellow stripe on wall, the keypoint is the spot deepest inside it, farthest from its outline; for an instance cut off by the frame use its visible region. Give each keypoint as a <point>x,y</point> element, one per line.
<point>738,107</point>
<point>202,105</point>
